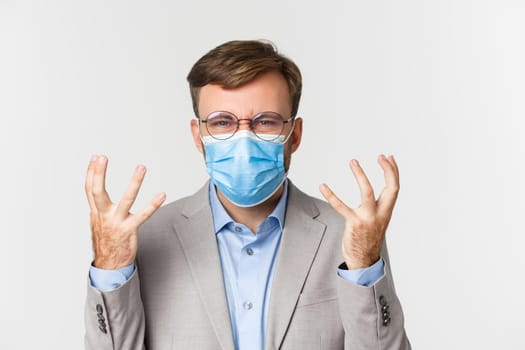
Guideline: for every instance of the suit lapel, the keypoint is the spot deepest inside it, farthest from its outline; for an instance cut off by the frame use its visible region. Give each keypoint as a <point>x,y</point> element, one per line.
<point>197,237</point>
<point>300,240</point>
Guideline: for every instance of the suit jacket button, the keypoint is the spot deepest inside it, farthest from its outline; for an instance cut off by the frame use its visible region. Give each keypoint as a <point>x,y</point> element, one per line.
<point>99,309</point>
<point>382,300</point>
<point>386,321</point>
<point>101,322</point>
<point>102,329</point>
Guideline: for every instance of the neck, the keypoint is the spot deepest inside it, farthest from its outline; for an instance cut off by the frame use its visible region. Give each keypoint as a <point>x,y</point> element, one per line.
<point>251,216</point>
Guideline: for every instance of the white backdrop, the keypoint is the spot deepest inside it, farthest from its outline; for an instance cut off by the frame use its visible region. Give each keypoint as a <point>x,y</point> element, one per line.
<point>440,84</point>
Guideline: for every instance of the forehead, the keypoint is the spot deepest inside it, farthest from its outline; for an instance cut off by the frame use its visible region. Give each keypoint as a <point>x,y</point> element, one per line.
<point>267,92</point>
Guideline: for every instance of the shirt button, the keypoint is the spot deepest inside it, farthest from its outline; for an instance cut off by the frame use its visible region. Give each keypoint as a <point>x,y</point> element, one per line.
<point>238,229</point>
<point>249,251</point>
<point>247,305</point>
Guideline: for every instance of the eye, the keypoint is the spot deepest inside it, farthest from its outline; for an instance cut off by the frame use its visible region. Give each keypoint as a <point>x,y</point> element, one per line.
<point>221,122</point>
<point>268,122</point>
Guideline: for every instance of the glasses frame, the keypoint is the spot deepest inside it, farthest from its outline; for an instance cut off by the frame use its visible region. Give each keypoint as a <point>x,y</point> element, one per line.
<point>285,121</point>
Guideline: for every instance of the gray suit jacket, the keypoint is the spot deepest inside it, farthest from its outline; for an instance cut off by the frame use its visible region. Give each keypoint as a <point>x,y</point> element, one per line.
<point>176,297</point>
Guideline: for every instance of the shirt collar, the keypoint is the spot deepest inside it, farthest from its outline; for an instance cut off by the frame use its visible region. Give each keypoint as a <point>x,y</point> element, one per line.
<point>221,218</point>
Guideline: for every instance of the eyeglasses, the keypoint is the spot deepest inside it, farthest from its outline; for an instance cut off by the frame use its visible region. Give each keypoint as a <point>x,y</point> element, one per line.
<point>267,126</point>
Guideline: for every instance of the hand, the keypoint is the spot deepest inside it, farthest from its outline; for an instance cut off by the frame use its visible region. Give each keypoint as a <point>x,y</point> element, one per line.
<point>366,225</point>
<point>113,227</point>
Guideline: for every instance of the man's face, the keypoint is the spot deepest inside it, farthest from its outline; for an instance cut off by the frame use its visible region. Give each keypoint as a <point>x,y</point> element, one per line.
<point>267,92</point>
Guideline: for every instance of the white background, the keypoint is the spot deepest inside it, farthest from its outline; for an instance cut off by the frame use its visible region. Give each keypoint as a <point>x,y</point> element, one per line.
<point>440,84</point>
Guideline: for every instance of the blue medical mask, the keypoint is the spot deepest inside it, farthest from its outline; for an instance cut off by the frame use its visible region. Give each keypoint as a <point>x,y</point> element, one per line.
<point>246,169</point>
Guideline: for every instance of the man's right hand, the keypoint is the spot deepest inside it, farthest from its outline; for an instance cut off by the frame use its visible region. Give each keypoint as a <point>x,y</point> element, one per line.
<point>113,227</point>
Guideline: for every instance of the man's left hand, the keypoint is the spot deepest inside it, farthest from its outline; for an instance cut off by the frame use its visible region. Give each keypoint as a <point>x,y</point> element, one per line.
<point>366,225</point>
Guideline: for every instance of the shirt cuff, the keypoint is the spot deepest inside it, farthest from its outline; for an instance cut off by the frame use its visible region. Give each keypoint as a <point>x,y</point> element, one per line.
<point>363,277</point>
<point>108,280</point>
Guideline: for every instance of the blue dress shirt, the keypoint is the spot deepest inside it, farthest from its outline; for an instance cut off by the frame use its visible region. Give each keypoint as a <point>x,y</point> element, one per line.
<point>248,262</point>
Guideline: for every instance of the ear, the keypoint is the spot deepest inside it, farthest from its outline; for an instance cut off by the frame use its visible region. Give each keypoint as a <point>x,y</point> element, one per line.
<point>297,134</point>
<point>194,125</point>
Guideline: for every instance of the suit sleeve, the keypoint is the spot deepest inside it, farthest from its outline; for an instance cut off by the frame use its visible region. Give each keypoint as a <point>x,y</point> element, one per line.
<point>114,320</point>
<point>372,316</point>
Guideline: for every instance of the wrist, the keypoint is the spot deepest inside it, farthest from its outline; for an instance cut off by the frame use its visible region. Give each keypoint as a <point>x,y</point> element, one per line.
<point>111,264</point>
<point>362,262</point>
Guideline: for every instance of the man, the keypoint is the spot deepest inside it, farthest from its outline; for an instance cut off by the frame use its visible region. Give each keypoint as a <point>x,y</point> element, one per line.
<point>249,261</point>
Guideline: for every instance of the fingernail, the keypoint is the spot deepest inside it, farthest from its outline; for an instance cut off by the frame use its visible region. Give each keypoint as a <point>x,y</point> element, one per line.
<point>101,159</point>
<point>141,169</point>
<point>94,157</point>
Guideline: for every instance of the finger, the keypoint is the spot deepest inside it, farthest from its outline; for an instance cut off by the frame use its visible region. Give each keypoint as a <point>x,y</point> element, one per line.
<point>335,202</point>
<point>100,195</point>
<point>387,198</point>
<point>88,186</point>
<point>393,162</point>
<point>390,174</point>
<point>367,192</point>
<point>129,197</point>
<point>139,218</point>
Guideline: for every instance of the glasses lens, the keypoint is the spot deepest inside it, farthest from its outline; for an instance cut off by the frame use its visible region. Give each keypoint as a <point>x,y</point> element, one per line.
<point>221,125</point>
<point>268,126</point>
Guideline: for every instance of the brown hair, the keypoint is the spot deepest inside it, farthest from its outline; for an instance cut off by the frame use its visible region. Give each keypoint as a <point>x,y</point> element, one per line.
<point>235,63</point>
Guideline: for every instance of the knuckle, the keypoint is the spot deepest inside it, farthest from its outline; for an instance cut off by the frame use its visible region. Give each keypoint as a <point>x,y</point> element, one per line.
<point>363,224</point>
<point>144,215</point>
<point>336,203</point>
<point>359,226</point>
<point>368,193</point>
<point>98,193</point>
<point>394,189</point>
<point>126,201</point>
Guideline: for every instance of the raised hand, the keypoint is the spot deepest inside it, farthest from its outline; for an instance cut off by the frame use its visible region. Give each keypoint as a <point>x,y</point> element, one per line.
<point>113,227</point>
<point>366,225</point>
